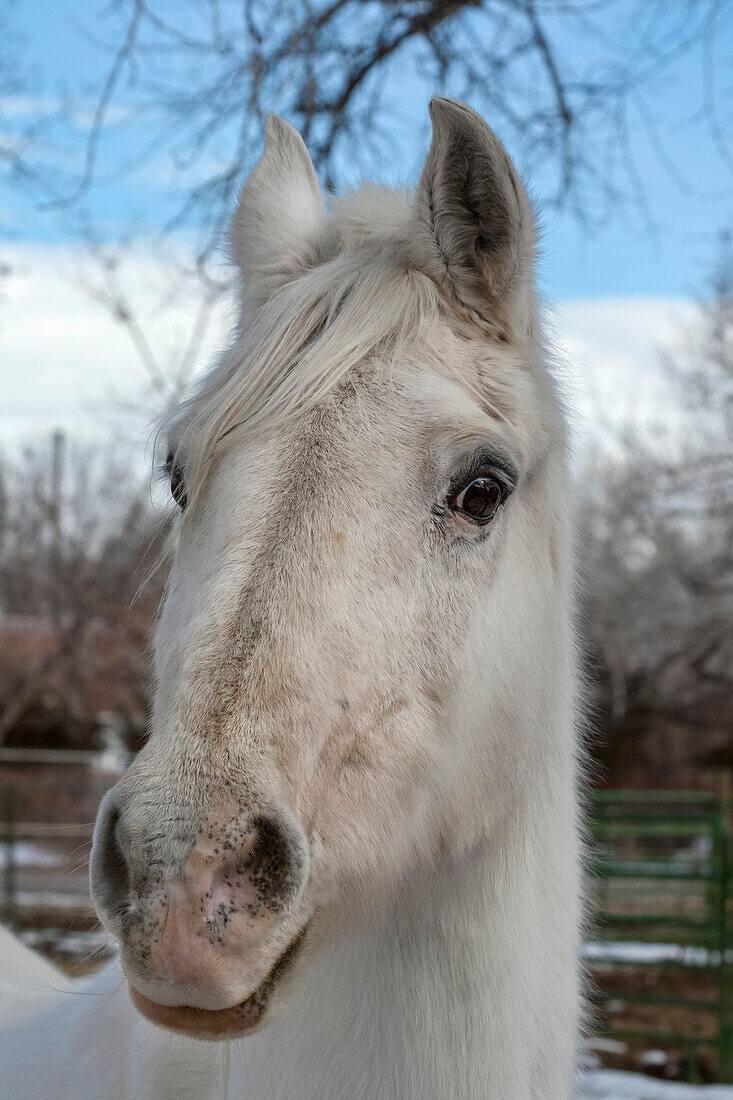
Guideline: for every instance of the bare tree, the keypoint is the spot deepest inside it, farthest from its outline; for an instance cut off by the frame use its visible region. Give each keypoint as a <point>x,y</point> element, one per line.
<point>659,541</point>
<point>565,82</point>
<point>561,79</point>
<point>74,528</point>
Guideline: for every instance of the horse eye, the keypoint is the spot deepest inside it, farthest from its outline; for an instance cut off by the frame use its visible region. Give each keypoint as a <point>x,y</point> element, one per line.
<point>480,500</point>
<point>178,484</point>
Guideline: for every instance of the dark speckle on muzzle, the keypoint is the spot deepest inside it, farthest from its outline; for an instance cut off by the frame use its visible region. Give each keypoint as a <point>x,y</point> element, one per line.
<point>189,905</point>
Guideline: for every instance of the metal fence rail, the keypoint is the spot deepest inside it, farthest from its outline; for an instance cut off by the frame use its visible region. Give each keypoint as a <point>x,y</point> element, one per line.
<point>48,801</point>
<point>661,873</point>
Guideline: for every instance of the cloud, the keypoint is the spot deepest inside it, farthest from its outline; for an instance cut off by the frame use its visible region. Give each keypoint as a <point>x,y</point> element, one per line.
<point>66,362</point>
<point>17,106</point>
<point>610,352</point>
<point>81,111</point>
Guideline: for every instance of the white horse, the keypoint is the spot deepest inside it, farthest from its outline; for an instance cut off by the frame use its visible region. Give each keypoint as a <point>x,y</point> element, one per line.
<point>350,847</point>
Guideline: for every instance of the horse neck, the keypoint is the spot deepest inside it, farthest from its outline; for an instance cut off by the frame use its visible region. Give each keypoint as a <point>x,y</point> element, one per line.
<point>388,1000</point>
<point>432,994</point>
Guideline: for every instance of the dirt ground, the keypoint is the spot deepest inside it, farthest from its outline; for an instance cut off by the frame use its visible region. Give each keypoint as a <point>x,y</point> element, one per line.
<point>656,1057</point>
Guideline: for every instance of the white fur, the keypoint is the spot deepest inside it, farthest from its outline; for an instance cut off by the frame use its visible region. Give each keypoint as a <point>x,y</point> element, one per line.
<point>412,697</point>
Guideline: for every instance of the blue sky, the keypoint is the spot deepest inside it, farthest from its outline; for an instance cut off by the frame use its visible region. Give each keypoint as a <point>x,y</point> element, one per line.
<point>621,292</point>
<point>624,258</point>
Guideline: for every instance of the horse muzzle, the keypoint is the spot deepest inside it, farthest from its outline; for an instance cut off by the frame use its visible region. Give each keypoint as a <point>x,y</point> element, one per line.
<point>207,931</point>
<point>222,1023</point>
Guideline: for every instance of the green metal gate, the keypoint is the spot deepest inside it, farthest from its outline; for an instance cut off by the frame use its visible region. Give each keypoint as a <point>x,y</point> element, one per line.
<point>663,948</point>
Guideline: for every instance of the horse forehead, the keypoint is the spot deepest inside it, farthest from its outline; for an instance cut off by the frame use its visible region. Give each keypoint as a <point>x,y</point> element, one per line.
<point>285,512</point>
<point>354,458</point>
<point>354,436</point>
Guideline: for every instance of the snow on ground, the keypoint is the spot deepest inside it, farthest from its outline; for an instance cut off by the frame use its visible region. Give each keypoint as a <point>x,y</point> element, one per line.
<point>614,1085</point>
<point>49,899</point>
<point>81,944</point>
<point>29,855</point>
<point>631,952</point>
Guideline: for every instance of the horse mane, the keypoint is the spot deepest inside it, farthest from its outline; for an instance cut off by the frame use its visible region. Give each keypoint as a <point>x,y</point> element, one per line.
<point>365,296</point>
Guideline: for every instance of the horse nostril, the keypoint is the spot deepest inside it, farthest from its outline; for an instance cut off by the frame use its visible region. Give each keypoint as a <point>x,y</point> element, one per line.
<point>109,875</point>
<point>275,864</point>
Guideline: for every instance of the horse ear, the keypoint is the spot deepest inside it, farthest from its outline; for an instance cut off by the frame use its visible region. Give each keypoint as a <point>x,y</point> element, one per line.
<point>280,215</point>
<point>475,222</point>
